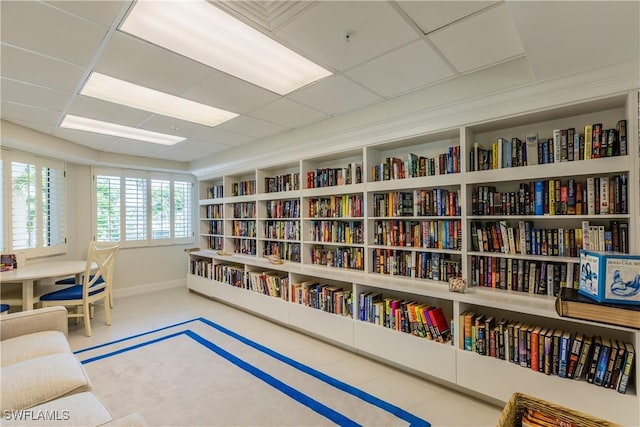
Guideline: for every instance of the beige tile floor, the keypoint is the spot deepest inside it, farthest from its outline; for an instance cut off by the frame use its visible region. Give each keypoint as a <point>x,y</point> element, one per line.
<point>439,405</point>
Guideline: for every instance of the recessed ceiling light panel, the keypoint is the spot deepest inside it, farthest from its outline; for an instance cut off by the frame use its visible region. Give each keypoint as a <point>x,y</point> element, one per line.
<point>106,128</point>
<point>121,92</point>
<point>205,33</point>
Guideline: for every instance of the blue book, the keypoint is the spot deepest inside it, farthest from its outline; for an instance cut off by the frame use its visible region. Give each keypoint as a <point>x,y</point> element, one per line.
<point>539,198</point>
<point>563,356</point>
<point>506,152</point>
<point>603,361</point>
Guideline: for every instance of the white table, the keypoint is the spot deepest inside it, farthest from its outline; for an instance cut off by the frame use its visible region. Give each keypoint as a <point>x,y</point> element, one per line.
<point>30,274</point>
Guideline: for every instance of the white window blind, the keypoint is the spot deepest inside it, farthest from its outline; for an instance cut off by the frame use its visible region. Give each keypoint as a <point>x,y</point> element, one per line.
<point>182,209</point>
<point>161,209</point>
<point>108,208</point>
<point>142,208</point>
<point>33,204</point>
<point>136,208</point>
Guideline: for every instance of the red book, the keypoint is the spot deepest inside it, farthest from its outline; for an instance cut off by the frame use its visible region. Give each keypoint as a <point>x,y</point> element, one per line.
<point>439,321</point>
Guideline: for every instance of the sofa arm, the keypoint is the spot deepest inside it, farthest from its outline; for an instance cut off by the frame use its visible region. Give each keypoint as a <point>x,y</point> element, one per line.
<point>30,321</point>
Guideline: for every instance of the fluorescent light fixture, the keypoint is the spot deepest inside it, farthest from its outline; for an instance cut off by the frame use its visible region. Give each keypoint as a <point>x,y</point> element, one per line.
<point>106,128</point>
<point>205,33</point>
<point>121,92</point>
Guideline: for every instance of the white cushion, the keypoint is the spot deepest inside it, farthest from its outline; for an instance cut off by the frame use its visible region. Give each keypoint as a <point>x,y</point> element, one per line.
<point>81,409</point>
<point>34,345</point>
<point>39,380</point>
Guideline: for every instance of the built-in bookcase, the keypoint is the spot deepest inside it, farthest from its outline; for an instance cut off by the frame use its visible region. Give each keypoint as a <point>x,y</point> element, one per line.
<point>457,202</point>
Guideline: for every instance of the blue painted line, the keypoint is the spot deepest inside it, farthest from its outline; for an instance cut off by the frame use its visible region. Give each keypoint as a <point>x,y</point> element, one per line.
<point>135,336</point>
<point>369,398</point>
<point>133,347</point>
<point>300,397</point>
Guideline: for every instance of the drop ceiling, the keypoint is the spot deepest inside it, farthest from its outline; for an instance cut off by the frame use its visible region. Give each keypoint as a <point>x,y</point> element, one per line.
<point>376,50</point>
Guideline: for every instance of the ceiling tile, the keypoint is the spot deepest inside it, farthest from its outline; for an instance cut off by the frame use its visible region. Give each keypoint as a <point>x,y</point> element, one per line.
<point>171,125</point>
<point>40,127</point>
<point>217,136</point>
<point>32,68</point>
<point>97,109</point>
<point>431,15</point>
<point>149,65</point>
<point>11,111</point>
<point>229,93</point>
<point>37,27</point>
<point>288,113</point>
<point>250,126</point>
<point>135,148</point>
<point>334,95</point>
<point>103,12</point>
<point>411,66</point>
<point>604,33</point>
<point>36,96</point>
<point>320,32</point>
<point>481,40</point>
<point>87,139</point>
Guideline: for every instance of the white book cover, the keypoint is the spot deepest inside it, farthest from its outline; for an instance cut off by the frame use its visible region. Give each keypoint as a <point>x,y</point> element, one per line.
<point>557,142</point>
<point>591,196</point>
<point>531,146</point>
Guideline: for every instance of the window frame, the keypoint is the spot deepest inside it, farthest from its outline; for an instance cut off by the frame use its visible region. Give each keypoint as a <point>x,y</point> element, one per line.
<point>41,249</point>
<point>149,176</point>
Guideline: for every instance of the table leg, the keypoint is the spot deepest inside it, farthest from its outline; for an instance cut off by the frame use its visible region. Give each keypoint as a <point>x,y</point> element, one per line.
<point>27,295</point>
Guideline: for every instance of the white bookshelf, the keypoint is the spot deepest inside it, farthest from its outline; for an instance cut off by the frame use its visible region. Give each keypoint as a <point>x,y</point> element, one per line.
<point>481,375</point>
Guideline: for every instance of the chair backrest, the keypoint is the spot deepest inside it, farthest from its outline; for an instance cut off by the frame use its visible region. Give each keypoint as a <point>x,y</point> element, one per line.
<point>101,261</point>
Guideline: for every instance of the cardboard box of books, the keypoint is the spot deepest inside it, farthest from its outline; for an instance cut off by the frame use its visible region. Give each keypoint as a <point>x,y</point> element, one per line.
<point>610,277</point>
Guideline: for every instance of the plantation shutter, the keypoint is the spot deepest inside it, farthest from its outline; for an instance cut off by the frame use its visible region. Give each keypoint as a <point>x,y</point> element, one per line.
<point>23,202</point>
<point>182,210</point>
<point>135,208</point>
<point>107,208</point>
<point>52,206</point>
<point>160,209</point>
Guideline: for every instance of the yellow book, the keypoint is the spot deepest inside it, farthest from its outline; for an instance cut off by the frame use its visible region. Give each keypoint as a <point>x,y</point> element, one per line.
<point>588,134</point>
<point>552,197</point>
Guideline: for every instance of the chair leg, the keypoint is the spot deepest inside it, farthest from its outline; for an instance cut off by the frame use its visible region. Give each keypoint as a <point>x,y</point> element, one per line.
<point>87,319</point>
<point>110,299</point>
<point>107,311</point>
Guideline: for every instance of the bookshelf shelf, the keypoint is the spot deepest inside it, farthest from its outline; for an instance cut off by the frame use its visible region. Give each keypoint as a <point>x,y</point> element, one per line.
<point>372,177</point>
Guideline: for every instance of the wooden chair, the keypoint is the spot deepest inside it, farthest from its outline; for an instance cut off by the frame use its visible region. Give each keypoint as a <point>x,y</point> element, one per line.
<point>94,287</point>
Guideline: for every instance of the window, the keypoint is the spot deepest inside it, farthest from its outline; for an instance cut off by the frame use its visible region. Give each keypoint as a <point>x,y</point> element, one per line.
<point>141,208</point>
<point>33,201</point>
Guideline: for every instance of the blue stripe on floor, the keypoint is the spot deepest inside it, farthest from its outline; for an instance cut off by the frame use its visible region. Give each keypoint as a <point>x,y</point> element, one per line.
<point>369,398</point>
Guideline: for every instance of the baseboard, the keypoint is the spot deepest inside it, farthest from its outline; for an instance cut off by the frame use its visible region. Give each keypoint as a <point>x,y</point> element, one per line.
<point>149,287</point>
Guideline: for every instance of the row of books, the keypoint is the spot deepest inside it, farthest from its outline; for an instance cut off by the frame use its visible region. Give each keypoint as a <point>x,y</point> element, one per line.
<point>330,177</point>
<point>433,234</point>
<point>594,196</point>
<point>244,229</point>
<point>214,211</point>
<point>417,166</point>
<point>216,227</point>
<point>243,188</point>
<point>523,275</point>
<point>216,191</point>
<point>284,250</point>
<point>419,265</point>
<point>273,284</point>
<point>434,202</point>
<point>229,274</point>
<point>565,145</point>
<point>349,232</point>
<point>244,210</point>
<point>525,238</point>
<point>340,257</point>
<point>201,267</point>
<point>289,230</point>
<point>598,360</point>
<point>285,182</point>
<point>345,206</point>
<point>412,317</point>
<point>244,246</point>
<point>285,209</point>
<point>215,243</point>
<point>325,297</point>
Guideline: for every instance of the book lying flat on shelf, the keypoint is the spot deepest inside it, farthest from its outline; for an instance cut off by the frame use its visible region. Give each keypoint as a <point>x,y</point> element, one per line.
<point>570,303</point>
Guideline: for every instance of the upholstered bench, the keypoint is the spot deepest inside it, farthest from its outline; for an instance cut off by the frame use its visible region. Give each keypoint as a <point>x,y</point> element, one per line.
<point>42,379</point>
